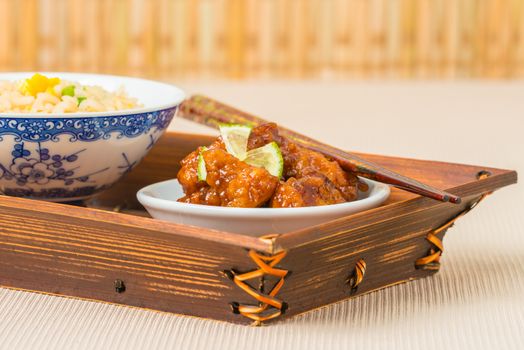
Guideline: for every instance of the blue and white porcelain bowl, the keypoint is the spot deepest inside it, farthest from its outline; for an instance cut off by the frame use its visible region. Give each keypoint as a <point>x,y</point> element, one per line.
<point>72,156</point>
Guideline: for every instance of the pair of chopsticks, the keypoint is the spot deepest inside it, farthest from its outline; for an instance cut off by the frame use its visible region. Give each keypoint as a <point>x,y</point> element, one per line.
<point>209,112</point>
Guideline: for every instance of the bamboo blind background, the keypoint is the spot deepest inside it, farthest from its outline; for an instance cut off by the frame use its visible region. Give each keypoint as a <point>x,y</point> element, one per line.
<point>338,39</point>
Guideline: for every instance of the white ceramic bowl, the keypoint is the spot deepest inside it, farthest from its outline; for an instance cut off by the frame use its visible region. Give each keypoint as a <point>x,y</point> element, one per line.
<point>70,156</point>
<point>160,201</point>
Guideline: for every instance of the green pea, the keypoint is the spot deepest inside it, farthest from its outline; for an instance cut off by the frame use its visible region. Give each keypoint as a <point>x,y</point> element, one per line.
<point>68,91</point>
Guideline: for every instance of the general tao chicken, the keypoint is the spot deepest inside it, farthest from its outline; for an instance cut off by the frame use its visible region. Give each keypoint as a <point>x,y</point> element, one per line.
<point>306,178</point>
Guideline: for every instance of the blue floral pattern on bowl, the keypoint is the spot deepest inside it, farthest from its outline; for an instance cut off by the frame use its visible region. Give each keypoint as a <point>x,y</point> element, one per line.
<point>84,129</point>
<point>69,158</point>
<point>27,168</point>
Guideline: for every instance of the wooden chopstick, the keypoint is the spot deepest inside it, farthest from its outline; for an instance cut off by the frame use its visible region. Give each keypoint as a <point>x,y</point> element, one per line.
<point>207,111</point>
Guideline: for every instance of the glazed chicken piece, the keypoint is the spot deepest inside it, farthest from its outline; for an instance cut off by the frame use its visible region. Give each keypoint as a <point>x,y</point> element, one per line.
<point>307,191</point>
<point>200,192</point>
<point>205,195</point>
<point>187,175</point>
<point>301,162</point>
<point>237,183</point>
<point>262,135</point>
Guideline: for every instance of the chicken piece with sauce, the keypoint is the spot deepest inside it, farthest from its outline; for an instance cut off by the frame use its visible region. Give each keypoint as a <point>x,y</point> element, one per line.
<point>229,182</point>
<point>302,163</point>
<point>188,177</point>
<point>200,192</point>
<point>237,183</point>
<point>307,191</point>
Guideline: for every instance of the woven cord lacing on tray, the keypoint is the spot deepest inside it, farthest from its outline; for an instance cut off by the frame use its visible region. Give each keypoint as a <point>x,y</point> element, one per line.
<point>269,305</point>
<point>432,260</point>
<point>357,276</point>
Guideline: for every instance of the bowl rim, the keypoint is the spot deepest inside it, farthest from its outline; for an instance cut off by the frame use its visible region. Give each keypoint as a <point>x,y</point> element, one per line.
<point>378,192</point>
<point>120,113</point>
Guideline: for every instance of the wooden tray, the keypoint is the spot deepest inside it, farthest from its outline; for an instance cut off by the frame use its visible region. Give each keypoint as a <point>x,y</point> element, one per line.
<point>112,251</point>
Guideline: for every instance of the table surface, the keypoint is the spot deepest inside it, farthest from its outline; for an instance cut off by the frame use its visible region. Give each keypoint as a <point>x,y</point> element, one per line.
<point>474,302</point>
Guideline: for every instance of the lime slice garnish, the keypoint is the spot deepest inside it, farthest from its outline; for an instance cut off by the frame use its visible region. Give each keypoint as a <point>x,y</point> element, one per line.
<point>201,166</point>
<point>235,139</point>
<point>268,157</point>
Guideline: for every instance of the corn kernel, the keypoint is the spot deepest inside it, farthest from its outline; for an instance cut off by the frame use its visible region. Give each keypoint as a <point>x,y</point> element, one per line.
<point>39,83</point>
